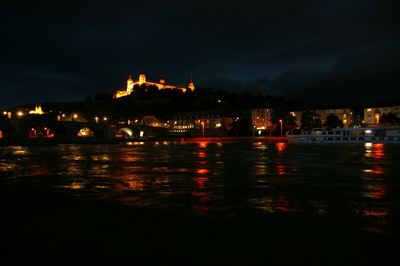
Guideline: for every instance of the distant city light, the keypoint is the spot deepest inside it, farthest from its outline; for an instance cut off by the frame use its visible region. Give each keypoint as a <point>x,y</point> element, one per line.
<point>75,116</point>
<point>105,118</point>
<point>141,134</point>
<point>20,114</point>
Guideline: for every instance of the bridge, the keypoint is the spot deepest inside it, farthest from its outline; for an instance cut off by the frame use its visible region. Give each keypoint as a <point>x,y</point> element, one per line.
<point>21,130</point>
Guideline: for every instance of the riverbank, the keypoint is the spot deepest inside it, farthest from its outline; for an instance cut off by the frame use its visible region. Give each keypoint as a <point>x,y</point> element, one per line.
<point>46,142</point>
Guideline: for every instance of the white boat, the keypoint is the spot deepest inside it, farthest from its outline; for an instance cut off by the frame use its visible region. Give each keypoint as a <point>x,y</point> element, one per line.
<point>376,134</point>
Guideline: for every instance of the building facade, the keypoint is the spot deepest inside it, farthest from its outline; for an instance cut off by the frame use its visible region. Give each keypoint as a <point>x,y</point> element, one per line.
<point>372,115</point>
<point>346,115</point>
<point>261,120</point>
<point>208,126</point>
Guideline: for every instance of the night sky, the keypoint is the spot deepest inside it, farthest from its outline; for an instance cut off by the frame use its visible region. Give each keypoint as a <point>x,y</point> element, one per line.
<point>321,51</point>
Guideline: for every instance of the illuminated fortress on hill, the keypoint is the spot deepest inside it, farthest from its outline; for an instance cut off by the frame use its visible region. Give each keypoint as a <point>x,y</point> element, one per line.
<point>161,85</point>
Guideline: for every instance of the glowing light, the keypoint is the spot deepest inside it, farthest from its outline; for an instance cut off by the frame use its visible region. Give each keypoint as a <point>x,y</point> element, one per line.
<point>280,146</point>
<point>203,144</point>
<point>75,116</point>
<point>38,111</point>
<point>141,134</point>
<point>218,125</point>
<point>201,182</point>
<point>96,119</point>
<point>368,145</point>
<point>202,154</point>
<point>281,169</point>
<point>5,113</point>
<point>377,117</point>
<point>20,114</point>
<point>105,118</point>
<point>368,131</point>
<point>202,171</point>
<point>85,132</point>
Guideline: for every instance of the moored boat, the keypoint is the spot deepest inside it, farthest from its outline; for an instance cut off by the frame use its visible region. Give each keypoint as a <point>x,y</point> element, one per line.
<point>377,134</point>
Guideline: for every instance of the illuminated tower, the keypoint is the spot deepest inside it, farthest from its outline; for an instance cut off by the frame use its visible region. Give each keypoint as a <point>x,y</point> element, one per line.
<point>129,84</point>
<point>142,79</point>
<point>38,110</point>
<point>191,85</point>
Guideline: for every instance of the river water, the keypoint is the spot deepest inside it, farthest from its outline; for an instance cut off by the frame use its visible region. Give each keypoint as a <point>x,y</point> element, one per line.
<point>354,186</point>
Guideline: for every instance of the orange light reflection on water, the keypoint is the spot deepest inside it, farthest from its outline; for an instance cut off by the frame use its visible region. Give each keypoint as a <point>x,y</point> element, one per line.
<point>280,169</point>
<point>281,147</point>
<point>375,191</point>
<point>202,171</point>
<point>376,215</point>
<point>375,151</point>
<point>203,144</point>
<point>201,191</point>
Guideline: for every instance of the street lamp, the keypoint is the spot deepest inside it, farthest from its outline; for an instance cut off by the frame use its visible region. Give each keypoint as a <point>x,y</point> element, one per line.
<point>202,127</point>
<point>280,121</point>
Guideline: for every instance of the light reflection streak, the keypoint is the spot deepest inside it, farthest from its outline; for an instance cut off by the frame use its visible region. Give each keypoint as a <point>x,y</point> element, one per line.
<point>281,169</point>
<point>270,204</point>
<point>74,185</point>
<point>281,147</point>
<point>375,191</point>
<point>203,144</point>
<point>375,151</point>
<point>260,169</point>
<point>375,214</point>
<point>18,150</point>
<point>201,191</point>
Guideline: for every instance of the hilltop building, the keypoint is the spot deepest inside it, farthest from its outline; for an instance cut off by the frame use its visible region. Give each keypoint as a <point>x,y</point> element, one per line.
<point>161,85</point>
<point>38,111</point>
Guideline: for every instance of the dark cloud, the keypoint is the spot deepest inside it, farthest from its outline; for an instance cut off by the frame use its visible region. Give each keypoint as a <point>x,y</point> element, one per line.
<point>61,50</point>
<point>369,76</point>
